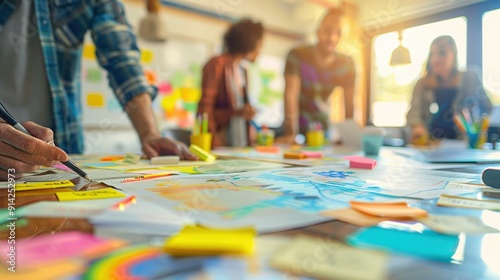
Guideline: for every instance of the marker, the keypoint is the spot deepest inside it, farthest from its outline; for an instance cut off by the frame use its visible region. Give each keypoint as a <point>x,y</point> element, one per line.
<point>468,120</point>
<point>145,177</point>
<point>196,127</point>
<point>255,125</point>
<point>459,122</point>
<point>204,123</point>
<point>127,201</point>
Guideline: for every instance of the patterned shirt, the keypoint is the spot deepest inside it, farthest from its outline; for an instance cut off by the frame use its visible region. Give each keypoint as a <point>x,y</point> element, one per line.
<point>62,25</point>
<point>317,83</point>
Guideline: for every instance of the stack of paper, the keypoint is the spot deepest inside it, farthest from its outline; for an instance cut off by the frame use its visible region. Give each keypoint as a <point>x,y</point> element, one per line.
<point>138,222</point>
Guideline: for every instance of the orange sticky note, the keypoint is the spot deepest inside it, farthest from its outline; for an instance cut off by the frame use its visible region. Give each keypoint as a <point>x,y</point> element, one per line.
<point>267,149</point>
<point>388,210</point>
<point>354,217</point>
<point>294,155</point>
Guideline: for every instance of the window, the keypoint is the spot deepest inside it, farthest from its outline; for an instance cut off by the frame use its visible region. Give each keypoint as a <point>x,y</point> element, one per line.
<point>392,87</point>
<point>491,59</point>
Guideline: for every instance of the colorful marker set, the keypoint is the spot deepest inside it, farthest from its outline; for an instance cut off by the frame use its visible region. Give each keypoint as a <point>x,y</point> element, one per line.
<point>476,129</point>
<point>315,137</point>
<point>200,124</point>
<point>315,126</point>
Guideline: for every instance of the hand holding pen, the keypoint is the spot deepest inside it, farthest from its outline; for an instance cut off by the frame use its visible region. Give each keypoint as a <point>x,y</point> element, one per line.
<point>22,153</point>
<point>24,149</point>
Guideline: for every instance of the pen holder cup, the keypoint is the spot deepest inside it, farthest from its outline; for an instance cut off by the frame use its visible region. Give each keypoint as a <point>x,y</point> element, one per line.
<point>472,141</point>
<point>315,138</point>
<point>265,138</point>
<point>204,141</point>
<point>373,140</point>
<point>372,144</point>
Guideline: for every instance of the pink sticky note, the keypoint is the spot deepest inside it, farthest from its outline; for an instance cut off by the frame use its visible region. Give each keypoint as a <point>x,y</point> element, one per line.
<point>63,245</point>
<point>361,162</point>
<point>62,167</point>
<point>312,154</point>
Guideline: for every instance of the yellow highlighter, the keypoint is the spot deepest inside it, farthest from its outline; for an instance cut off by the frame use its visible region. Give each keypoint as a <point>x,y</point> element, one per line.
<point>483,136</point>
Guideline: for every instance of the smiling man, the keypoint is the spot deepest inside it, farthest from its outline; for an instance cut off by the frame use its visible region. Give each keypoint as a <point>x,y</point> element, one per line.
<point>312,73</point>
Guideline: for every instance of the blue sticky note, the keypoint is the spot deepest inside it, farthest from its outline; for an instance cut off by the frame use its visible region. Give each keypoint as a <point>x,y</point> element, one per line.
<point>427,244</point>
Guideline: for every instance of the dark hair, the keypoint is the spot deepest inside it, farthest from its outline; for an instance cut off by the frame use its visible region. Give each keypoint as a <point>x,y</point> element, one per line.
<point>242,37</point>
<point>448,40</point>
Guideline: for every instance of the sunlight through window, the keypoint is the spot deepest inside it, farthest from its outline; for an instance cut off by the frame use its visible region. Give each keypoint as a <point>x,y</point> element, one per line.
<point>491,60</point>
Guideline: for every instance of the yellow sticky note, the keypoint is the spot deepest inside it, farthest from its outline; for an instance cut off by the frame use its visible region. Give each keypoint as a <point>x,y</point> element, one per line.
<point>199,241</point>
<point>200,153</point>
<point>146,56</point>
<point>183,169</point>
<point>323,259</point>
<point>131,159</point>
<point>88,195</point>
<point>89,52</point>
<point>95,99</point>
<point>43,185</point>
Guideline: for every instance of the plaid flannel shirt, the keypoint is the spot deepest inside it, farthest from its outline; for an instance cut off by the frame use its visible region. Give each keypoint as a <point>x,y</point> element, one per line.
<point>62,25</point>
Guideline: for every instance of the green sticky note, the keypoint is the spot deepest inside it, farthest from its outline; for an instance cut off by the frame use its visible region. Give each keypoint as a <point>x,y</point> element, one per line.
<point>94,75</point>
<point>6,214</point>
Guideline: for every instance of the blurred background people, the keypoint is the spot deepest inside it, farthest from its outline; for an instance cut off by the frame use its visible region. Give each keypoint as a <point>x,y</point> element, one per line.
<point>442,92</point>
<point>312,73</point>
<point>224,86</point>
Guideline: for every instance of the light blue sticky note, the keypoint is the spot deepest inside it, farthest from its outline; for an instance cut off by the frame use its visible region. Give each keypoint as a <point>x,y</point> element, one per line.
<point>428,244</point>
<point>101,164</point>
<point>5,214</point>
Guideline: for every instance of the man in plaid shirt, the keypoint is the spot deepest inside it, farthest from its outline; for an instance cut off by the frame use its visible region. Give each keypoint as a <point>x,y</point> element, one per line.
<point>40,55</point>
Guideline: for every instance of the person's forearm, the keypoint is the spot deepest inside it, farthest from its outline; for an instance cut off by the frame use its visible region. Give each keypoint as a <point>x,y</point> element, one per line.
<point>349,102</point>
<point>292,88</point>
<point>140,112</point>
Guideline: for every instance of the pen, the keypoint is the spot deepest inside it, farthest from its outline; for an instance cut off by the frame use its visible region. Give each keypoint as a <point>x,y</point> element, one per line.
<point>6,116</point>
<point>255,125</point>
<point>196,129</point>
<point>145,177</point>
<point>459,123</point>
<point>204,123</point>
<point>127,201</point>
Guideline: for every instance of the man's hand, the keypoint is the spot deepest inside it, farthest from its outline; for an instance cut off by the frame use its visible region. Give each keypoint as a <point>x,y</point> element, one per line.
<point>157,146</point>
<point>25,153</point>
<point>419,135</point>
<point>247,112</point>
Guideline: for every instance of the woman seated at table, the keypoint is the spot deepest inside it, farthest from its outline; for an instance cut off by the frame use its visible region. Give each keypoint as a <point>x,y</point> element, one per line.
<point>442,92</point>
<point>224,87</point>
